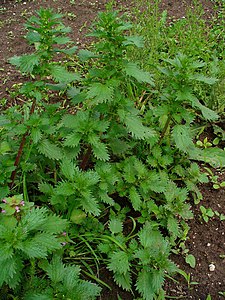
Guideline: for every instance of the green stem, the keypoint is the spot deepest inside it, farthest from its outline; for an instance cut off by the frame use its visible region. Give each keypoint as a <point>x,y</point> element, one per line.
<point>165,128</point>
<point>20,151</point>
<point>97,279</point>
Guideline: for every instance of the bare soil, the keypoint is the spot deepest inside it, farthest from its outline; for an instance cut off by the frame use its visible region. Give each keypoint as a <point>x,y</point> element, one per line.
<point>206,240</point>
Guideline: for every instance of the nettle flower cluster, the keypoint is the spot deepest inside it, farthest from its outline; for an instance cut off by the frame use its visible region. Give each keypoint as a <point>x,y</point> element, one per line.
<point>14,205</point>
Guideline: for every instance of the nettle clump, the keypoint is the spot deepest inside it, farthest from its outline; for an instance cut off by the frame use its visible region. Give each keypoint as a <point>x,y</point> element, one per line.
<point>28,236</point>
<point>116,164</point>
<point>26,233</point>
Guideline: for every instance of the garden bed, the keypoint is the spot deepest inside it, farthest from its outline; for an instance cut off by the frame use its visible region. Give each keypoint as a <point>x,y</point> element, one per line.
<point>206,240</point>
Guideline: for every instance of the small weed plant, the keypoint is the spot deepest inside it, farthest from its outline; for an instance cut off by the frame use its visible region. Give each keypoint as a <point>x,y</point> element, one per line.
<point>107,180</point>
<point>165,35</point>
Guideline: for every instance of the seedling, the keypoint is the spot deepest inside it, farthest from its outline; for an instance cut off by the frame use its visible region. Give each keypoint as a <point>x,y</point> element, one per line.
<point>204,144</point>
<point>190,259</point>
<point>207,213</point>
<point>187,277</point>
<point>214,179</point>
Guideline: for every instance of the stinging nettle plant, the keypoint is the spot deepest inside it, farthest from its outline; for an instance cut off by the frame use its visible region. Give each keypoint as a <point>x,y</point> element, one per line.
<point>119,157</point>
<point>48,34</point>
<point>26,233</point>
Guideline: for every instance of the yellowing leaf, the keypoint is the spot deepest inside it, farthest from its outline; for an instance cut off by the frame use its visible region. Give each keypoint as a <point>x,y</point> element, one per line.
<point>77,216</point>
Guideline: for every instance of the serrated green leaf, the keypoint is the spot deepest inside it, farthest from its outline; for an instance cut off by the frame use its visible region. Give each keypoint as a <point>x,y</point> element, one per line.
<point>75,121</point>
<point>123,280</point>
<point>50,150</point>
<point>28,62</point>
<point>100,93</point>
<point>73,139</point>
<point>33,37</point>
<point>115,226</point>
<point>134,40</point>
<point>129,171</point>
<point>119,262</point>
<point>100,152</point>
<point>4,120</point>
<point>144,284</point>
<point>11,271</point>
<point>213,156</point>
<point>45,188</point>
<point>41,245</point>
<point>105,198</point>
<point>138,130</point>
<point>157,279</point>
<point>140,168</point>
<point>68,169</point>
<point>70,121</point>
<point>15,60</point>
<point>135,198</point>
<point>172,225</point>
<point>152,239</point>
<point>99,149</point>
<point>55,270</point>
<point>89,203</point>
<point>65,189</point>
<point>34,218</point>
<point>36,135</point>
<point>154,182</point>
<point>84,55</point>
<point>104,248</point>
<point>91,178</point>
<point>71,277</point>
<point>197,64</point>
<point>101,125</point>
<point>61,40</point>
<point>72,153</point>
<point>68,51</point>
<point>88,290</point>
<point>202,78</point>
<point>132,69</point>
<point>124,26</point>
<point>73,91</point>
<point>182,137</point>
<point>207,113</point>
<point>6,251</point>
<point>60,74</point>
<point>54,224</point>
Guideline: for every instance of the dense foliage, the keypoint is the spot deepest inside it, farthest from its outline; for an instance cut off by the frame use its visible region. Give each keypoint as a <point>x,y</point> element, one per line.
<point>99,163</point>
